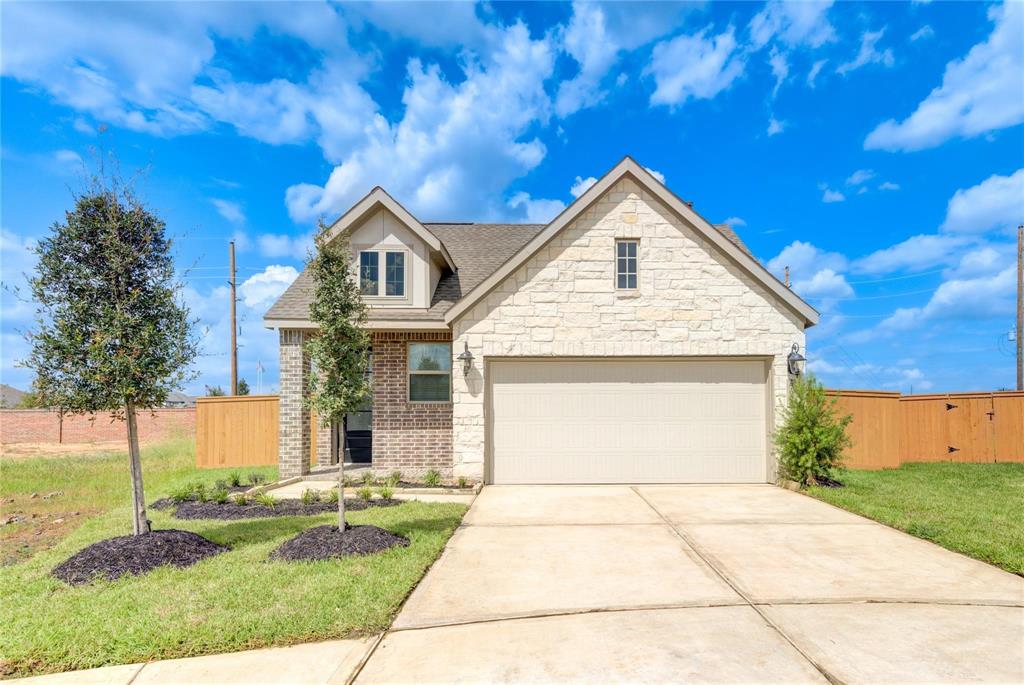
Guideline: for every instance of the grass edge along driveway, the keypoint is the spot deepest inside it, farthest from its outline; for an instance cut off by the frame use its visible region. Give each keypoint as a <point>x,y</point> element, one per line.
<point>974,509</point>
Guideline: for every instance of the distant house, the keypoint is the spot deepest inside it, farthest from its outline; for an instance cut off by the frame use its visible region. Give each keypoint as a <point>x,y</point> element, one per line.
<point>629,340</point>
<point>10,398</point>
<point>179,400</point>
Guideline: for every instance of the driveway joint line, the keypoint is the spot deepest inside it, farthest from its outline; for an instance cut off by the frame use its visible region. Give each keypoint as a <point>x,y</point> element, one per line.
<point>362,662</point>
<point>573,612</point>
<point>735,587</point>
<point>136,674</point>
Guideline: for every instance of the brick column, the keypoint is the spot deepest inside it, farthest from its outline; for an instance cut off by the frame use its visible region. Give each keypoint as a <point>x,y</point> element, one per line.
<point>294,432</point>
<point>323,444</point>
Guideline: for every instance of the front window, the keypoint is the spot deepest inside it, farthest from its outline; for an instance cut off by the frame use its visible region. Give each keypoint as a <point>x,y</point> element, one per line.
<point>430,372</point>
<point>370,282</point>
<point>625,264</point>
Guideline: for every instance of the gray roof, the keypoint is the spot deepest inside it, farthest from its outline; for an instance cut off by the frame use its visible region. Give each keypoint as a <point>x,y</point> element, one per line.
<point>477,250</point>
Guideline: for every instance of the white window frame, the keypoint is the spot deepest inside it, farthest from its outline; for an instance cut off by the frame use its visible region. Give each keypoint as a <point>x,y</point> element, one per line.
<point>636,265</point>
<point>382,270</point>
<point>409,372</point>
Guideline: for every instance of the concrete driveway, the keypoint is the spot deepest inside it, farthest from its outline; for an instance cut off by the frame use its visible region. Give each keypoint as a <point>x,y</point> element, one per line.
<point>697,583</point>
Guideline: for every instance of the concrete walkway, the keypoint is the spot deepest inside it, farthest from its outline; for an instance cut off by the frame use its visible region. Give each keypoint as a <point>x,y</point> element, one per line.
<point>315,663</point>
<point>697,583</point>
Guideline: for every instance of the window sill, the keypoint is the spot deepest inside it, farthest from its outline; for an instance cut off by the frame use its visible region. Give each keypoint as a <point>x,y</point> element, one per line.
<point>630,293</point>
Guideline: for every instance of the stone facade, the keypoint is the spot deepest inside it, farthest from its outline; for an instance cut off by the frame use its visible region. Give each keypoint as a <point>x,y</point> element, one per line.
<point>412,437</point>
<point>691,300</point>
<point>294,435</point>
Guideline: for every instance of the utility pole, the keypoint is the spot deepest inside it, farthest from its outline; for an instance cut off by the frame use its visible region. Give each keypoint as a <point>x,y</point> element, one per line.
<point>234,326</point>
<point>1020,307</point>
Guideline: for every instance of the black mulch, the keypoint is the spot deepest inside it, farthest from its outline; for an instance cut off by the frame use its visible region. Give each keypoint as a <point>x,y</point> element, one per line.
<point>827,482</point>
<point>326,542</point>
<point>284,507</point>
<point>135,555</point>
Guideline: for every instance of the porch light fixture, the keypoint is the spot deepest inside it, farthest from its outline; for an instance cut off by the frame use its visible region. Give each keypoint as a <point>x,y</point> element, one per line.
<point>467,360</point>
<point>795,361</point>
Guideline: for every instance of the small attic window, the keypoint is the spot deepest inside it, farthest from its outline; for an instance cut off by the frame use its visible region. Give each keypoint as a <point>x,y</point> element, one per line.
<point>393,282</point>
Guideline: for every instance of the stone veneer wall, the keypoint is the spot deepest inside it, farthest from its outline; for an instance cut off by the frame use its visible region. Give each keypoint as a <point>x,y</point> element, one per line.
<point>691,300</point>
<point>410,437</point>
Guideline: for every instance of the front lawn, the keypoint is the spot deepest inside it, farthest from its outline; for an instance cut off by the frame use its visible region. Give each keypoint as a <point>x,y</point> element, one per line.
<point>233,601</point>
<point>974,509</point>
<point>46,497</point>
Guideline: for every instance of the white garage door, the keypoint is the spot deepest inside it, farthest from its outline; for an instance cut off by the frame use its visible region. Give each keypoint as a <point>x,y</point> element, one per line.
<point>628,421</point>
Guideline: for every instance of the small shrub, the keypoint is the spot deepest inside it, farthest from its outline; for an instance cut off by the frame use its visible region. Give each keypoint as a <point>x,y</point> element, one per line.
<point>332,496</point>
<point>463,482</point>
<point>310,496</point>
<point>220,496</point>
<point>199,493</point>
<point>813,436</point>
<point>432,478</point>
<point>220,484</point>
<point>257,478</point>
<point>346,481</point>
<point>235,479</point>
<point>385,491</point>
<point>395,478</point>
<point>365,493</point>
<point>241,499</point>
<point>266,499</point>
<point>368,478</point>
<point>182,494</point>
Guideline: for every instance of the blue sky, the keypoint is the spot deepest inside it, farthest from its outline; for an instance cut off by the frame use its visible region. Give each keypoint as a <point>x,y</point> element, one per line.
<point>877,149</point>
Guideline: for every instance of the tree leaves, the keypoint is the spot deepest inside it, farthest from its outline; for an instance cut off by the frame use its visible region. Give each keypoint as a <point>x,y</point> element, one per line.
<point>812,438</point>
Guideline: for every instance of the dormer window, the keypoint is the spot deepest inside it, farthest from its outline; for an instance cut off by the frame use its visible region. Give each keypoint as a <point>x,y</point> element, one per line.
<point>390,283</point>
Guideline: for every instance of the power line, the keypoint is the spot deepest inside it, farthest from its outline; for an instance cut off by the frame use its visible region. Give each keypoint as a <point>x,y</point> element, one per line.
<point>872,297</point>
<point>897,278</point>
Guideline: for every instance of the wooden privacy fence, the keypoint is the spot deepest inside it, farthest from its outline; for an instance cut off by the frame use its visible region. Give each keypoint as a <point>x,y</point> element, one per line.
<point>236,431</point>
<point>241,431</point>
<point>890,429</point>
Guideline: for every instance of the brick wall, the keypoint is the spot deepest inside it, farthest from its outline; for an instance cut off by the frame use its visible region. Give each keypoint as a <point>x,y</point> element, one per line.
<point>41,425</point>
<point>294,431</point>
<point>410,437</point>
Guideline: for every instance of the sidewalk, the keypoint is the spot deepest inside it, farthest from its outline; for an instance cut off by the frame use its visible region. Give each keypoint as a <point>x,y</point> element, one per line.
<point>317,663</point>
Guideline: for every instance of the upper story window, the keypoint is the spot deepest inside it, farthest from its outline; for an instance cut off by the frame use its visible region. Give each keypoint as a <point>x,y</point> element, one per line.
<point>625,264</point>
<point>372,283</point>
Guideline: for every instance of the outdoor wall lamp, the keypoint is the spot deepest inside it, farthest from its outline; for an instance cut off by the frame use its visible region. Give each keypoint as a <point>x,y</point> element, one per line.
<point>467,360</point>
<point>795,361</point>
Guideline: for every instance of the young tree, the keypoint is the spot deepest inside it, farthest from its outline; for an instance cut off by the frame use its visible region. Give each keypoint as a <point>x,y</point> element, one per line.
<point>340,351</point>
<point>215,391</point>
<point>243,386</point>
<point>813,436</point>
<point>111,334</point>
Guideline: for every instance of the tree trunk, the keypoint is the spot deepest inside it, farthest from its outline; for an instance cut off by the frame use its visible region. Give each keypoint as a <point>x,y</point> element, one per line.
<point>140,524</point>
<point>341,479</point>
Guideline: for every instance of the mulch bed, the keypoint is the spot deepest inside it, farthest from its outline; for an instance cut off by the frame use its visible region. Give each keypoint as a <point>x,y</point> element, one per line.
<point>326,542</point>
<point>230,511</point>
<point>135,555</point>
<point>826,482</point>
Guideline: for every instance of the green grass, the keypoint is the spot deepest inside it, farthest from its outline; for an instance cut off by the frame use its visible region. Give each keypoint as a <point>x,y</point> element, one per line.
<point>236,600</point>
<point>974,509</point>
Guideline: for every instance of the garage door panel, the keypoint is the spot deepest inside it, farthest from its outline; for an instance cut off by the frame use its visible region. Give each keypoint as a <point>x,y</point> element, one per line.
<point>607,421</point>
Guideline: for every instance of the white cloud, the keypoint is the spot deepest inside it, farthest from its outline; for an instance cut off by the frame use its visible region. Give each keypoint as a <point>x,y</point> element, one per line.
<point>888,185</point>
<point>812,75</point>
<point>925,31</point>
<point>825,283</point>
<point>694,66</point>
<point>793,23</point>
<point>69,158</point>
<point>261,290</point>
<point>775,126</point>
<point>804,260</point>
<point>983,261</point>
<point>735,221</point>
<point>829,196</point>
<point>982,92</point>
<point>17,259</point>
<point>860,177</point>
<point>868,53</point>
<point>597,35</point>
<point>281,245</point>
<point>995,203</point>
<point>780,68</point>
<point>458,144</point>
<point>960,299</point>
<point>231,211</point>
<point>582,185</point>
<point>916,253</point>
<point>656,174</point>
<point>535,211</point>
